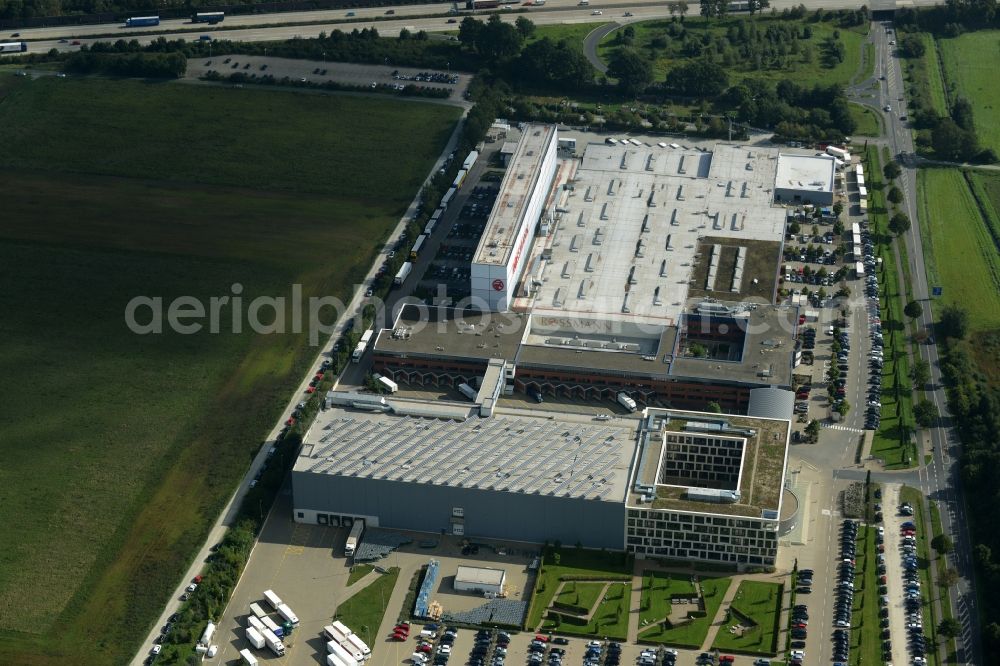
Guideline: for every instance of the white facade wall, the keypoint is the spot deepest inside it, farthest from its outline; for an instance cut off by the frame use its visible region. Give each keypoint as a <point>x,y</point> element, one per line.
<point>495,284</point>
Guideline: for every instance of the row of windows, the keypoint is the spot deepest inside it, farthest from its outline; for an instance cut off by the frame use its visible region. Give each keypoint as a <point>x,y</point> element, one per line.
<point>683,553</point>
<point>702,551</point>
<point>665,518</point>
<point>762,539</point>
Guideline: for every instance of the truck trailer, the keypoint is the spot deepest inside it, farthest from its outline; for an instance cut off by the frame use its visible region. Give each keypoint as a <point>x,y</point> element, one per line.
<point>286,612</point>
<point>141,21</point>
<point>248,658</point>
<point>257,611</point>
<point>335,633</point>
<point>386,382</point>
<point>354,537</point>
<point>342,654</point>
<point>403,273</point>
<point>255,638</point>
<point>474,155</point>
<point>335,660</point>
<point>272,599</point>
<point>468,391</point>
<point>206,636</point>
<point>254,621</point>
<point>274,643</point>
<point>417,246</point>
<point>626,401</point>
<point>359,351</point>
<point>358,645</point>
<point>272,626</point>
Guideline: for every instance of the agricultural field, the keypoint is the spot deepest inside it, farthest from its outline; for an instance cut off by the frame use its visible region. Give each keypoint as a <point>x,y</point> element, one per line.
<point>134,442</point>
<point>970,64</point>
<point>959,250</point>
<point>758,603</point>
<point>804,61</point>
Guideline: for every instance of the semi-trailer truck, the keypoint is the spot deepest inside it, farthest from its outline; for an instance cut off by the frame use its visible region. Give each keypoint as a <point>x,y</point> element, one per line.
<point>474,155</point>
<point>254,621</point>
<point>335,633</point>
<point>257,611</point>
<point>336,660</point>
<point>255,638</point>
<point>626,401</point>
<point>208,17</point>
<point>335,648</point>
<point>355,653</point>
<point>468,391</point>
<point>342,628</point>
<point>286,612</point>
<point>13,47</point>
<point>354,537</point>
<point>274,643</point>
<point>141,21</point>
<point>272,599</point>
<point>359,351</point>
<point>404,272</point>
<point>248,658</point>
<point>272,626</point>
<point>358,645</point>
<point>206,636</point>
<point>390,385</point>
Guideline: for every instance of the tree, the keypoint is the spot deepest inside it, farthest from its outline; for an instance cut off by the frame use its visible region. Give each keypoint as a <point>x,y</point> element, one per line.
<point>813,428</point>
<point>843,407</point>
<point>913,309</point>
<point>524,26</point>
<point>713,407</point>
<point>949,627</point>
<point>899,224</point>
<point>892,170</point>
<point>952,142</point>
<point>469,31</point>
<point>925,413</point>
<point>633,71</point>
<point>758,6</point>
<point>954,322</point>
<point>912,46</point>
<point>920,373</point>
<point>838,208</point>
<point>838,227</point>
<point>949,577</point>
<point>942,544</point>
<point>895,195</point>
<point>698,78</point>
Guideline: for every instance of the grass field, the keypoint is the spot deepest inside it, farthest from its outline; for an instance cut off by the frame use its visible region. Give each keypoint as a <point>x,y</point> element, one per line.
<point>609,618</point>
<point>363,611</point>
<point>657,590</point>
<point>761,602</point>
<point>867,120</point>
<point>572,562</point>
<point>137,441</point>
<point>573,33</point>
<point>959,251</point>
<point>583,595</point>
<point>358,571</point>
<point>970,63</point>
<point>692,634</point>
<point>866,645</point>
<point>796,68</point>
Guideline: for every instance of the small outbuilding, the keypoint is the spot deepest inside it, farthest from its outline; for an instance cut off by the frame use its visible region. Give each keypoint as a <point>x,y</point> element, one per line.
<point>480,579</point>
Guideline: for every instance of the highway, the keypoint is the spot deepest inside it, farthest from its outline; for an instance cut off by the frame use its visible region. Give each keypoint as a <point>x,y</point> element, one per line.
<point>940,480</point>
<point>273,27</point>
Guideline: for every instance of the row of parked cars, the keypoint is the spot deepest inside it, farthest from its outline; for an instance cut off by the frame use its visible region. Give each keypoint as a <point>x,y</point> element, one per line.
<point>873,410</point>
<point>911,584</point>
<point>845,592</point>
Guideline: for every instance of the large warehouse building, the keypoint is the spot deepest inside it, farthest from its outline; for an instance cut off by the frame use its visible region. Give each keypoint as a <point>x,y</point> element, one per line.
<point>678,484</point>
<point>805,179</point>
<point>655,271</point>
<point>499,261</point>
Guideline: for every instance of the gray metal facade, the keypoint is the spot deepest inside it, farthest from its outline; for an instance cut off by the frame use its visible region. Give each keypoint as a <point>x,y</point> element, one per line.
<point>488,514</point>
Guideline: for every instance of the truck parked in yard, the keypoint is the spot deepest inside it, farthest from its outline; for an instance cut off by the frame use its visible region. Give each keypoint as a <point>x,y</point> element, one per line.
<point>255,638</point>
<point>286,612</point>
<point>274,643</point>
<point>337,632</point>
<point>248,658</point>
<point>404,272</point>
<point>335,660</point>
<point>272,599</point>
<point>386,382</point>
<point>626,401</point>
<point>468,391</point>
<point>254,621</point>
<point>356,645</point>
<point>341,653</point>
<point>354,538</point>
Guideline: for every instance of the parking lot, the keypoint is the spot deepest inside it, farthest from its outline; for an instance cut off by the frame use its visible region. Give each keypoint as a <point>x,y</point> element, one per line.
<point>383,78</point>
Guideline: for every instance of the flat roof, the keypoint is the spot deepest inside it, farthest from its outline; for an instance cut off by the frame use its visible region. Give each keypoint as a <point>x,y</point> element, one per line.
<point>440,332</point>
<point>516,188</point>
<point>809,173</point>
<point>626,241</point>
<point>518,451</point>
<point>762,475</point>
<point>480,575</point>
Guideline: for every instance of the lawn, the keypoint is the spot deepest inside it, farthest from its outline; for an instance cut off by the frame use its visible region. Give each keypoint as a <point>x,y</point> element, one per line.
<point>692,634</point>
<point>363,611</point>
<point>960,253</point>
<point>867,120</point>
<point>573,33</point>
<point>609,619</point>
<point>137,441</point>
<point>358,571</point>
<point>761,603</point>
<point>658,588</point>
<point>799,67</point>
<point>581,595</point>
<point>941,565</point>
<point>574,563</point>
<point>970,65</point>
<point>866,644</point>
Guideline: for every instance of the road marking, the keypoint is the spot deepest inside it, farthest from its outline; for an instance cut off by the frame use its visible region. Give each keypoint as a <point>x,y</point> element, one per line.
<point>832,426</point>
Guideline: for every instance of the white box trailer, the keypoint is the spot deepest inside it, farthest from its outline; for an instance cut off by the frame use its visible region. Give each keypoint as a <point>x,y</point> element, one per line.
<point>273,599</point>
<point>386,382</point>
<point>335,633</point>
<point>274,643</point>
<point>468,391</point>
<point>470,160</point>
<point>343,654</point>
<point>355,653</point>
<point>286,612</point>
<point>341,627</point>
<point>272,626</point>
<point>248,658</point>
<point>626,401</point>
<point>257,611</point>
<point>403,273</point>
<point>255,638</point>
<point>254,621</point>
<point>334,660</point>
<point>206,636</point>
<point>359,645</point>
